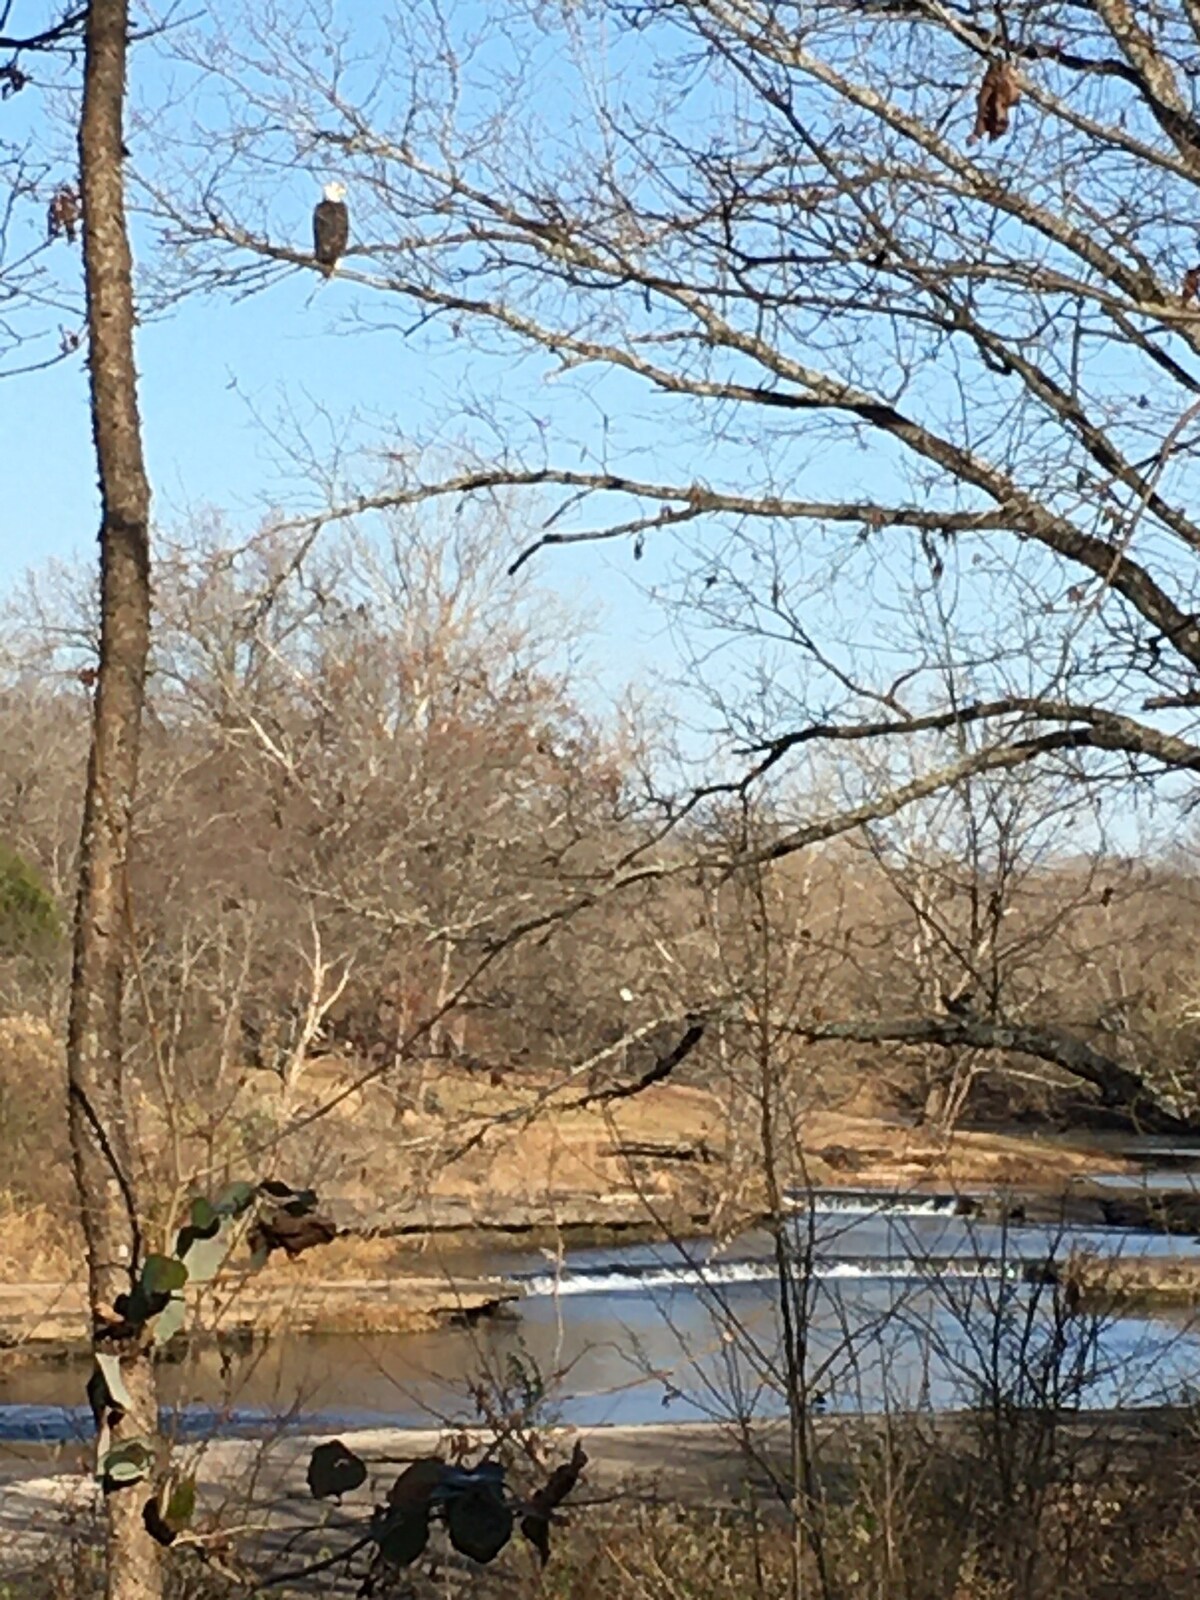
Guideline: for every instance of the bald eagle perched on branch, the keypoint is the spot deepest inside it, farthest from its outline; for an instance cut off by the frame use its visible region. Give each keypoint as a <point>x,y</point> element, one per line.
<point>331,228</point>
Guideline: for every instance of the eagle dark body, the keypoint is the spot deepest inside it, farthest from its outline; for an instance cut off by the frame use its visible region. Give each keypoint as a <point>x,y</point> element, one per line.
<point>331,233</point>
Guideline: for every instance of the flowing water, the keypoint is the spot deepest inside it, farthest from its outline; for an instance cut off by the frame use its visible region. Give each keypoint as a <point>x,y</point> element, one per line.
<point>906,1303</point>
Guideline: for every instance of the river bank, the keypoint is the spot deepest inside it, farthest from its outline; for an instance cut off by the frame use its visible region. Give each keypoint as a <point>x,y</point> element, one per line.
<point>656,1169</point>
<point>904,1296</point>
<point>262,1483</point>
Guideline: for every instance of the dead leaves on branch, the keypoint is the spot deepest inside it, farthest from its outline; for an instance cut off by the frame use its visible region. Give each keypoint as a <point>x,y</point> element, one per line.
<point>998,94</point>
<point>12,80</point>
<point>535,1525</point>
<point>475,1505</point>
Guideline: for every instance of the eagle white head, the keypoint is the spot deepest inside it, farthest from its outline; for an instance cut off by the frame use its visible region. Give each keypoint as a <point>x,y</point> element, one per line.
<point>334,191</point>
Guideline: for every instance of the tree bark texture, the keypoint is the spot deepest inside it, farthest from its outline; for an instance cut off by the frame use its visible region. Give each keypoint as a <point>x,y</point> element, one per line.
<point>101,1132</point>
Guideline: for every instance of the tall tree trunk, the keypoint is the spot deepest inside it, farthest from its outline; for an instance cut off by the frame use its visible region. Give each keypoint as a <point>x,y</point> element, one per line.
<point>101,1134</point>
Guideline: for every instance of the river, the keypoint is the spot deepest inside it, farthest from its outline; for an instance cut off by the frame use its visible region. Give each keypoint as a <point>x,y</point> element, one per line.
<point>906,1304</point>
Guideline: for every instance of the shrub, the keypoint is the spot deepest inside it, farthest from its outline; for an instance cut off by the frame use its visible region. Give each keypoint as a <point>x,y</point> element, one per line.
<point>29,915</point>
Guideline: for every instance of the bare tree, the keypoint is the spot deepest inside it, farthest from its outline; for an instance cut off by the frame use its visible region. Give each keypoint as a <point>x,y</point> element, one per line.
<point>101,1133</point>
<point>799,238</point>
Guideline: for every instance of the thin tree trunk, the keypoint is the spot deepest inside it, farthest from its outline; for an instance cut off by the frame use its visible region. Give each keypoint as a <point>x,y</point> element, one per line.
<point>101,1134</point>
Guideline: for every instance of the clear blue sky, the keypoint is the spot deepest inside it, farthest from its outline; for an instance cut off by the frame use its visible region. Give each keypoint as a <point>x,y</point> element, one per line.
<point>208,369</point>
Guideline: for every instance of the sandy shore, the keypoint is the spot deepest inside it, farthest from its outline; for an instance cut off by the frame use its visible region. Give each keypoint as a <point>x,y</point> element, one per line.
<point>259,1485</point>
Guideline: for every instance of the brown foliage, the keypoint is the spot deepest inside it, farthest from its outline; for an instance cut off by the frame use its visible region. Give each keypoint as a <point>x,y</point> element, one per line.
<point>999,92</point>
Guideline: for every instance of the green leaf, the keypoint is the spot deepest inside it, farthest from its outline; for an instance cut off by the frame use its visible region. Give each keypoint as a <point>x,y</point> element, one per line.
<point>203,1214</point>
<point>162,1275</point>
<point>127,1469</point>
<point>166,1525</point>
<point>114,1382</point>
<point>169,1320</point>
<point>402,1535</point>
<point>204,1258</point>
<point>334,1469</point>
<point>126,1463</point>
<point>479,1523</point>
<point>235,1199</point>
<point>188,1236</point>
<point>139,1307</point>
<point>182,1504</point>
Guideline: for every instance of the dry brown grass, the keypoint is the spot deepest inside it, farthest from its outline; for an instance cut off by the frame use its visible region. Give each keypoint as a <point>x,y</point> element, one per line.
<point>919,1526</point>
<point>530,1146</point>
<point>533,1155</point>
<point>895,1155</point>
<point>939,1537</point>
<point>1155,1281</point>
<point>904,1508</point>
<point>36,1245</point>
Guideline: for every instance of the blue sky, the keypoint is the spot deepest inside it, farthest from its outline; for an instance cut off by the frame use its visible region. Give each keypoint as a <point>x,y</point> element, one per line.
<point>217,376</point>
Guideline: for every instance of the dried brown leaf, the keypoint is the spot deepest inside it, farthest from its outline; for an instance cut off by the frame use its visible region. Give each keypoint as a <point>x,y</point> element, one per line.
<point>998,94</point>
<point>416,1485</point>
<point>12,80</point>
<point>535,1525</point>
<point>276,1228</point>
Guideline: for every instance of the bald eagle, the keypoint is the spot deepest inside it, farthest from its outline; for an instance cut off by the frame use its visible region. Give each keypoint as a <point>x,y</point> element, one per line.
<point>331,228</point>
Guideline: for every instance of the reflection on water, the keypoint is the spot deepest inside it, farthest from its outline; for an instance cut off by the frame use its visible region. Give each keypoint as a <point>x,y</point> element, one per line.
<point>908,1305</point>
